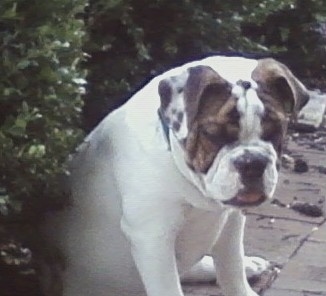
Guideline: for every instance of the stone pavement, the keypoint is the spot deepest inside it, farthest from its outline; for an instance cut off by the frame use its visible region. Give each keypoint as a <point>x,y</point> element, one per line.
<point>292,237</point>
<point>299,241</point>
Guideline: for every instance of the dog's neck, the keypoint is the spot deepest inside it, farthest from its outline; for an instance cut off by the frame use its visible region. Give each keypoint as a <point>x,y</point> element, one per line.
<point>200,200</point>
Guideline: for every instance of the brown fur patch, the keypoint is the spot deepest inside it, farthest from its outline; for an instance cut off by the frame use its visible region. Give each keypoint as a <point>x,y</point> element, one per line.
<point>276,81</point>
<point>216,125</point>
<point>202,82</point>
<point>209,103</point>
<point>274,126</point>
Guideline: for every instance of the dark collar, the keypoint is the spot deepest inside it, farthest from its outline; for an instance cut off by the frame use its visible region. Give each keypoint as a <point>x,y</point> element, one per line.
<point>165,128</point>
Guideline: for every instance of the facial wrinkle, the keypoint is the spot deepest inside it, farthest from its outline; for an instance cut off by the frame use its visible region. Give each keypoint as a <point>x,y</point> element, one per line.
<point>251,110</point>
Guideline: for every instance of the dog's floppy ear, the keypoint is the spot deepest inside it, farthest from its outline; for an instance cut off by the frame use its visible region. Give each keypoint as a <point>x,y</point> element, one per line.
<point>183,93</point>
<point>202,82</point>
<point>278,81</point>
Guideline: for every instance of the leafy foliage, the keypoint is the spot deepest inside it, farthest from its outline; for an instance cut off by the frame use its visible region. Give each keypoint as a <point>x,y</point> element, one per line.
<point>298,32</point>
<point>40,97</point>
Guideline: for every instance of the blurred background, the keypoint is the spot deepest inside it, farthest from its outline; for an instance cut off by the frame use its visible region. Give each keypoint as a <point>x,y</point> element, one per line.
<point>65,64</point>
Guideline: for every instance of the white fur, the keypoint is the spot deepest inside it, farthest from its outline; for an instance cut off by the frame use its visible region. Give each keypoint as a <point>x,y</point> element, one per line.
<point>251,110</point>
<point>140,218</point>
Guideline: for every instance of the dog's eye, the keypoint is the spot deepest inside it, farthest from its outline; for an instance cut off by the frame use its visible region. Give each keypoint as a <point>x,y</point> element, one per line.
<point>234,116</point>
<point>211,131</point>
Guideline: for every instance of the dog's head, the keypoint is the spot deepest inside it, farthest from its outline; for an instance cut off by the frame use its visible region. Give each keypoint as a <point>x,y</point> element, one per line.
<point>229,132</point>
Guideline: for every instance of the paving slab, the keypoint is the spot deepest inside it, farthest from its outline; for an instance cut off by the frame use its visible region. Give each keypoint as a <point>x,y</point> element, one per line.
<point>319,235</point>
<point>280,292</point>
<point>201,290</point>
<point>305,272</point>
<point>274,239</point>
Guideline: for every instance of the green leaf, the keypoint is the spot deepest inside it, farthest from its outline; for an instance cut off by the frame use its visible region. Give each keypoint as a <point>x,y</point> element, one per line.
<point>15,205</point>
<point>284,33</point>
<point>25,107</point>
<point>20,123</point>
<point>37,150</point>
<point>4,201</point>
<point>23,64</point>
<point>10,13</point>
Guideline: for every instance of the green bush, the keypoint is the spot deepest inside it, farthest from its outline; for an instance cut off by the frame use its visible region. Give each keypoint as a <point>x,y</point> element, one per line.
<point>40,99</point>
<point>298,32</point>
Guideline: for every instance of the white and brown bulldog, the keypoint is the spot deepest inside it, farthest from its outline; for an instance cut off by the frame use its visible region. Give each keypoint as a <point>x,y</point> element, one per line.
<point>161,182</point>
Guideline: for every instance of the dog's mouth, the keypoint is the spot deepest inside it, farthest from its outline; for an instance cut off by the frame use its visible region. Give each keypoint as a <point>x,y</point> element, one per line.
<point>247,198</point>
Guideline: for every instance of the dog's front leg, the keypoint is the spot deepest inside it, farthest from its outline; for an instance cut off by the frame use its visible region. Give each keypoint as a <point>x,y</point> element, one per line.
<point>228,255</point>
<point>153,250</point>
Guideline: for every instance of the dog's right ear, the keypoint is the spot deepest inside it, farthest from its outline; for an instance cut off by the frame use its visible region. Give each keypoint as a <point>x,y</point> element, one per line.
<point>181,95</point>
<point>202,82</point>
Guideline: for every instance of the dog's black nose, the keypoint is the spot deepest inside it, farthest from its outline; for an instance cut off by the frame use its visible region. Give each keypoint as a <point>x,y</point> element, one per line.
<point>251,165</point>
<point>245,84</point>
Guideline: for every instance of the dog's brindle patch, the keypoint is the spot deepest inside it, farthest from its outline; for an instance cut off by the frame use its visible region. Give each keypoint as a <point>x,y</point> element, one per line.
<point>283,96</point>
<point>216,125</point>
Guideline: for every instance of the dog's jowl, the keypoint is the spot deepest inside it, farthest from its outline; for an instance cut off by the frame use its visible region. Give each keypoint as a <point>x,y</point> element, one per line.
<point>161,182</point>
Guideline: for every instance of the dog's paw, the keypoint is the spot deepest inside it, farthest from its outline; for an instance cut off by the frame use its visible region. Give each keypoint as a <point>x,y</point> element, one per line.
<point>260,273</point>
<point>255,266</point>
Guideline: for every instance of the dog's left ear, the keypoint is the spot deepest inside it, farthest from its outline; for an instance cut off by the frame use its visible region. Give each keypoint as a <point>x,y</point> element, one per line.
<point>277,80</point>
